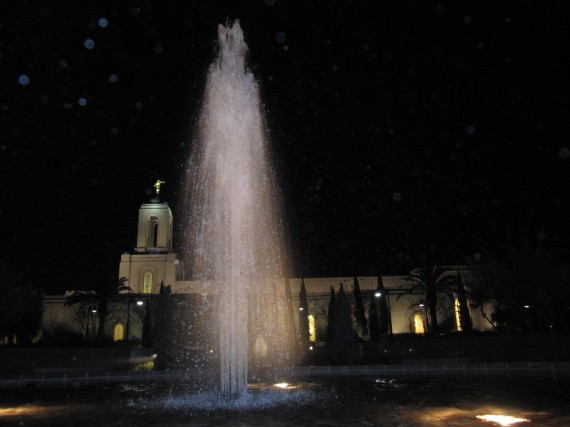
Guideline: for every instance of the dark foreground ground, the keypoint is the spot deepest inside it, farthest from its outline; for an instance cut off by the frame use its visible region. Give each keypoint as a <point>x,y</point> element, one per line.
<point>347,401</point>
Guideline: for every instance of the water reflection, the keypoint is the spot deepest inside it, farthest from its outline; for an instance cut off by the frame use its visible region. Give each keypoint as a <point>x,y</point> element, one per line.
<point>371,402</point>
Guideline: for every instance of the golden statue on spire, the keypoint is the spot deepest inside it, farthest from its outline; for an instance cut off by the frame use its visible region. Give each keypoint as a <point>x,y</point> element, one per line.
<point>157,185</point>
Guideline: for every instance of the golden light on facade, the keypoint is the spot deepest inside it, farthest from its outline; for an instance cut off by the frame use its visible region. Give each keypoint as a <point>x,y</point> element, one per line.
<point>502,420</point>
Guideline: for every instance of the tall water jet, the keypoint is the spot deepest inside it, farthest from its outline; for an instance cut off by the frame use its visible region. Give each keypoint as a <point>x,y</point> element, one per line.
<point>235,238</point>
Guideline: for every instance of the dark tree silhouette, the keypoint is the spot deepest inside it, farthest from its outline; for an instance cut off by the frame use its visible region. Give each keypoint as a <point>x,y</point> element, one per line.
<point>384,316</point>
<point>330,317</point>
<point>431,280</point>
<point>344,332</point>
<point>21,305</point>
<point>464,316</point>
<point>373,322</point>
<point>84,305</point>
<point>148,326</point>
<point>303,316</point>
<point>362,325</point>
<point>527,288</point>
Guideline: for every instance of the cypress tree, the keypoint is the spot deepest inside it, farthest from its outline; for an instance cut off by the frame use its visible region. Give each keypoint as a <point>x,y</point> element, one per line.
<point>383,311</point>
<point>362,325</point>
<point>373,326</point>
<point>303,315</point>
<point>330,317</point>
<point>344,332</point>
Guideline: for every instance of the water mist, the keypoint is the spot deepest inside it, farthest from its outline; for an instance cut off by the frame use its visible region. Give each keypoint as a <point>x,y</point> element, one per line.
<point>234,227</point>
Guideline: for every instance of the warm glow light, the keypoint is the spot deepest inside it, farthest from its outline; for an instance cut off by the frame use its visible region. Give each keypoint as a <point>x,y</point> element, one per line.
<point>312,328</point>
<point>457,315</point>
<point>418,324</point>
<point>28,410</point>
<point>503,420</point>
<point>281,385</point>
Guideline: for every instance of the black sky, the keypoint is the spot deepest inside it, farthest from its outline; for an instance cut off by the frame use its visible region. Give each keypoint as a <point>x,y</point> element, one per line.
<point>405,132</point>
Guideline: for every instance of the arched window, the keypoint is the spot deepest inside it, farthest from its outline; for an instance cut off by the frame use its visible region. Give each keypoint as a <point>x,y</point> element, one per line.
<point>418,324</point>
<point>153,232</point>
<point>119,332</point>
<point>147,283</point>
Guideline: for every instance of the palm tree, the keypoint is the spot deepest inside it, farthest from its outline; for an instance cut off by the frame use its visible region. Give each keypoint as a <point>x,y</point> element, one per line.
<point>431,280</point>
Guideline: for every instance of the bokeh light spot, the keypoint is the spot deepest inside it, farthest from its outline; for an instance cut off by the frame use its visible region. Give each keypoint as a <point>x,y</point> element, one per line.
<point>103,23</point>
<point>89,44</point>
<point>24,80</point>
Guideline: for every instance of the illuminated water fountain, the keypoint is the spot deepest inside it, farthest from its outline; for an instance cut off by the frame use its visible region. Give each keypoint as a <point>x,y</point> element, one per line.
<point>235,233</point>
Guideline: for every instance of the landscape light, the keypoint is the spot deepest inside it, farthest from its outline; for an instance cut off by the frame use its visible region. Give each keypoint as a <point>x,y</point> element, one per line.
<point>139,303</point>
<point>281,385</point>
<point>378,294</point>
<point>503,420</point>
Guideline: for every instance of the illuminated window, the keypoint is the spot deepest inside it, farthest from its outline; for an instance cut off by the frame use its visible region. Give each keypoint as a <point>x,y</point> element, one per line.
<point>312,328</point>
<point>119,332</point>
<point>147,283</point>
<point>153,235</point>
<point>418,324</point>
<point>457,315</point>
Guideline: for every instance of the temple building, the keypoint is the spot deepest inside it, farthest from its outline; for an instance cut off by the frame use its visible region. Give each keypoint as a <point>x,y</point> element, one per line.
<point>153,266</point>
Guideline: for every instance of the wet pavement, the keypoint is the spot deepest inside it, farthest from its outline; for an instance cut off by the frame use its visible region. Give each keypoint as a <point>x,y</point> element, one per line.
<point>400,402</point>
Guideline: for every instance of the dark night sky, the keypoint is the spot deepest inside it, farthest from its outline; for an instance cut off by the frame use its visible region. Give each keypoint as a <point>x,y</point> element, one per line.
<point>406,132</point>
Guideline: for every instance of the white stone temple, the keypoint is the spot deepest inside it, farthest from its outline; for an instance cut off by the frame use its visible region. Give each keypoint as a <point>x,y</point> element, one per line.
<point>153,266</point>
